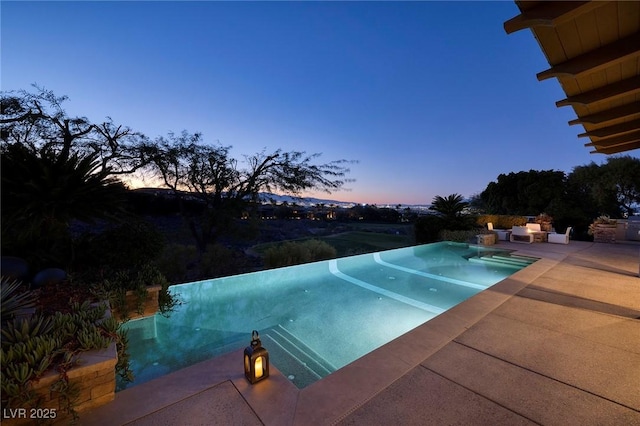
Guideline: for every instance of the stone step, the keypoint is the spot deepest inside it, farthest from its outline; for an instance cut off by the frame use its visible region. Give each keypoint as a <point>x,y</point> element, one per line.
<point>301,364</point>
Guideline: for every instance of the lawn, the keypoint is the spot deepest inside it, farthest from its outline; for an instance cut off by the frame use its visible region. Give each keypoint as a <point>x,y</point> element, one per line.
<point>354,242</point>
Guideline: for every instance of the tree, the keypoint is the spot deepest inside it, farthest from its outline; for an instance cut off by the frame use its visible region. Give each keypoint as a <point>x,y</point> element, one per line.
<point>477,204</point>
<point>587,194</point>
<point>622,176</point>
<point>38,122</point>
<point>450,206</point>
<point>373,213</point>
<point>192,168</point>
<point>42,194</point>
<point>524,193</point>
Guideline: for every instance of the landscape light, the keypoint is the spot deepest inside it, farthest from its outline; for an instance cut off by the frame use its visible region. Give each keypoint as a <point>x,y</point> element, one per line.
<point>256,360</point>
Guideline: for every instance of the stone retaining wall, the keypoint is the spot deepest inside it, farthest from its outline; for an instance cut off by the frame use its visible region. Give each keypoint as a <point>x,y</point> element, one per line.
<point>149,305</point>
<point>94,377</point>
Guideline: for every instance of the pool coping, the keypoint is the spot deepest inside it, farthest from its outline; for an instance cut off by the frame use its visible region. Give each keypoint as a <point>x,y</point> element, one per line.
<point>327,401</point>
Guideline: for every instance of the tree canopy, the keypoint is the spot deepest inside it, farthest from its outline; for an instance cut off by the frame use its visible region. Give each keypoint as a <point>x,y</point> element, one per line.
<point>622,177</point>
<point>524,193</point>
<point>224,185</point>
<point>185,162</point>
<point>38,122</point>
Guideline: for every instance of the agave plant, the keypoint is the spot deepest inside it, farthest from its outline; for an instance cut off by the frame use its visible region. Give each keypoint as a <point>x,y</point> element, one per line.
<point>22,329</point>
<point>13,301</point>
<point>43,193</point>
<point>35,345</point>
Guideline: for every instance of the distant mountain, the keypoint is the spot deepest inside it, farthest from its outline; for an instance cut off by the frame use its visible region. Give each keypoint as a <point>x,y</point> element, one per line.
<point>267,197</point>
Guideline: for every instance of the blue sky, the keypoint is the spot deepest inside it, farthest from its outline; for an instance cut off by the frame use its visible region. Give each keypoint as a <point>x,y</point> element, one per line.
<point>431,98</point>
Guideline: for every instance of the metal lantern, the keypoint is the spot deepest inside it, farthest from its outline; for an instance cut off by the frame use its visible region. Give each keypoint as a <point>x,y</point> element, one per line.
<point>256,360</point>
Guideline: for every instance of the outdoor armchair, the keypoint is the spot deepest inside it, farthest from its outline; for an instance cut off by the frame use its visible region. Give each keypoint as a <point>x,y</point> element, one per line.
<point>560,238</point>
<point>503,234</point>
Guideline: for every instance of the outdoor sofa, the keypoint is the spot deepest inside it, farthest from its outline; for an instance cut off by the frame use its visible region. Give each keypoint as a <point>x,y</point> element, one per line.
<point>521,234</point>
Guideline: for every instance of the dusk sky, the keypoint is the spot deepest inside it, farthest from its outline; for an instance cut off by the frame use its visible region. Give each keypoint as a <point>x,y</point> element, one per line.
<point>431,98</point>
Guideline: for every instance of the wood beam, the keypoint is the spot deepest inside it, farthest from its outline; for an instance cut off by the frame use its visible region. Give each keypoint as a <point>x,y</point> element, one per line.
<point>609,131</point>
<point>610,92</point>
<point>617,149</point>
<point>620,112</point>
<point>616,140</point>
<point>595,60</point>
<point>550,13</point>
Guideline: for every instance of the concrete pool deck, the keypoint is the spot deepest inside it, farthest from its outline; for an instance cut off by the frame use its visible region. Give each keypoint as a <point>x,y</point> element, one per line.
<point>555,343</point>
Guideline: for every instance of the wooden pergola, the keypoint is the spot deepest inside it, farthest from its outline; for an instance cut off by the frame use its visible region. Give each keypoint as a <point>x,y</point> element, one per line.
<point>593,48</point>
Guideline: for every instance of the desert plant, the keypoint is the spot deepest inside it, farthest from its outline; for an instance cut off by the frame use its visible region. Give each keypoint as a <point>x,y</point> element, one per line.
<point>294,253</point>
<point>460,236</point>
<point>111,326</point>
<point>90,338</point>
<point>23,329</point>
<point>37,353</point>
<point>450,206</point>
<point>115,288</point>
<point>605,220</point>
<point>601,220</point>
<point>125,246</point>
<point>427,228</point>
<point>42,193</point>
<point>501,221</point>
<point>219,261</point>
<point>32,346</point>
<point>166,300</point>
<point>175,261</point>
<point>544,218</point>
<point>545,221</point>
<point>14,301</point>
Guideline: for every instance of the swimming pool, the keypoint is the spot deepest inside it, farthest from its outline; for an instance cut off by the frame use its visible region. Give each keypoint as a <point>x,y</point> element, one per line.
<point>318,317</point>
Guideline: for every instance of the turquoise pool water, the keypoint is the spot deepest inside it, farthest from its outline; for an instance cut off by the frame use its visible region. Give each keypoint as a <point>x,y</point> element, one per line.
<point>318,317</point>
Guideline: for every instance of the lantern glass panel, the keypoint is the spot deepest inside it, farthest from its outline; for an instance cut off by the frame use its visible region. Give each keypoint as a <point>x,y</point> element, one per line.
<point>258,367</point>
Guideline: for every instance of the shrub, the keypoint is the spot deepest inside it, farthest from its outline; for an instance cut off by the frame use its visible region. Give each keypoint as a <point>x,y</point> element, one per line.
<point>175,261</point>
<point>219,261</point>
<point>115,286</point>
<point>294,253</point>
<point>14,301</point>
<point>501,221</point>
<point>427,229</point>
<point>124,246</point>
<point>459,236</point>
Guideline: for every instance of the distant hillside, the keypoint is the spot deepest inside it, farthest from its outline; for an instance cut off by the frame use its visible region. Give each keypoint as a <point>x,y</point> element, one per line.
<point>267,197</point>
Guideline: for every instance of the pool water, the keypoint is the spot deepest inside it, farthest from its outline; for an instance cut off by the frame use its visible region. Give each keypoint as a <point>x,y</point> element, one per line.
<point>318,317</point>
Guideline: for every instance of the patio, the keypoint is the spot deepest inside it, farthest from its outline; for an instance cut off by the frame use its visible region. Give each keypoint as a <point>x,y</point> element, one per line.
<point>555,343</point>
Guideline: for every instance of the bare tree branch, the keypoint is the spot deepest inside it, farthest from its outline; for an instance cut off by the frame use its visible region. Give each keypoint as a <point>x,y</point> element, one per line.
<point>38,121</point>
<point>185,163</point>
